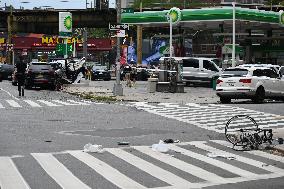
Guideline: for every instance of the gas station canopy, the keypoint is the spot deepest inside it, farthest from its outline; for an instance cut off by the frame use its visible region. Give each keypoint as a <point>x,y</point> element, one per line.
<point>221,14</point>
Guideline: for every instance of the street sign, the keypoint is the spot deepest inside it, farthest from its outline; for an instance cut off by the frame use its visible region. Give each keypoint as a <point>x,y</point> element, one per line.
<point>127,10</point>
<point>120,33</point>
<point>65,24</point>
<point>118,26</point>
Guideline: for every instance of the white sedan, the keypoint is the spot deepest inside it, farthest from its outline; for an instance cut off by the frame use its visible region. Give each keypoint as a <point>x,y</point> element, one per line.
<point>255,83</point>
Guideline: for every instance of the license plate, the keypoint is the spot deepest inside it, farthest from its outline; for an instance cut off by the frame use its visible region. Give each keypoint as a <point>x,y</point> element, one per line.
<point>231,84</point>
<point>39,76</point>
<point>101,73</point>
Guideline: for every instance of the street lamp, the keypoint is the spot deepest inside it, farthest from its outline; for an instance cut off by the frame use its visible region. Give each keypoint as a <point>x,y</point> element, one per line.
<point>234,37</point>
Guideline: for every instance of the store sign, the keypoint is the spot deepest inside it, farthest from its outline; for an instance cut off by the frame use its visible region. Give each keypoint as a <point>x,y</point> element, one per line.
<point>175,15</point>
<point>2,40</point>
<point>56,40</point>
<point>65,23</point>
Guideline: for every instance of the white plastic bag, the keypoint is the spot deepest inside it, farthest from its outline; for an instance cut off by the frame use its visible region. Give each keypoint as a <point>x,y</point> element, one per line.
<point>93,148</point>
<point>161,147</point>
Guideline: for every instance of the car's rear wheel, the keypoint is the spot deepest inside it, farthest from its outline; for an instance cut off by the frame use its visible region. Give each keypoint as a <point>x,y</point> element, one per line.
<point>259,95</point>
<point>225,100</point>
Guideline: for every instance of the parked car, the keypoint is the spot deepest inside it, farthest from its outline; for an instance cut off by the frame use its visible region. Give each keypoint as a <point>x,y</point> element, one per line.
<point>198,69</point>
<point>100,72</point>
<point>6,71</point>
<point>272,66</point>
<point>39,74</point>
<point>281,70</point>
<point>255,83</point>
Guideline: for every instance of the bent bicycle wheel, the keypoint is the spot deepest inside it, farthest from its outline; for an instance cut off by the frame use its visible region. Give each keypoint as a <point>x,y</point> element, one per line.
<point>238,128</point>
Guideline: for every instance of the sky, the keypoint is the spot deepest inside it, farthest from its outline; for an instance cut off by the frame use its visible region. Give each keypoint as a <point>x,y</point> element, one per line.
<point>56,4</point>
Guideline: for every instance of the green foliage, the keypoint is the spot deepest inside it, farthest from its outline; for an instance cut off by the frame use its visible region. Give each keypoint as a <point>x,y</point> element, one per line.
<point>98,32</point>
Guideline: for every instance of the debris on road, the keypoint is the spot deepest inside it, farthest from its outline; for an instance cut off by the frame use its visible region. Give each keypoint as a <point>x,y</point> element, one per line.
<point>160,147</point>
<point>167,141</point>
<point>93,148</point>
<point>226,156</point>
<point>123,143</point>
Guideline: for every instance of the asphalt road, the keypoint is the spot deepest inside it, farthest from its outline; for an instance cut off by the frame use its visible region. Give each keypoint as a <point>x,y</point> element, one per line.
<point>44,133</point>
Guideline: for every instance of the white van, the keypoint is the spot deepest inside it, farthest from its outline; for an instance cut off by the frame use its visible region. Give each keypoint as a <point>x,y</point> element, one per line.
<point>198,69</point>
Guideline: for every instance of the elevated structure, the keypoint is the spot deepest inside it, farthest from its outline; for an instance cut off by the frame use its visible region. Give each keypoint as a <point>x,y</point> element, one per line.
<point>46,21</point>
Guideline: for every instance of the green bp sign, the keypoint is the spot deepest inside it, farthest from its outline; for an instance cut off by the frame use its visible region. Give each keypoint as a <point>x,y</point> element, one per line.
<point>175,15</point>
<point>65,24</point>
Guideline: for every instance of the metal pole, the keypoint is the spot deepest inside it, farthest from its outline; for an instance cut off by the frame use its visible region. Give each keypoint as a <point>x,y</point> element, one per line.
<point>65,53</point>
<point>171,37</point>
<point>234,35</point>
<point>117,88</point>
<point>139,40</point>
<point>74,48</point>
<point>9,42</point>
<point>85,44</point>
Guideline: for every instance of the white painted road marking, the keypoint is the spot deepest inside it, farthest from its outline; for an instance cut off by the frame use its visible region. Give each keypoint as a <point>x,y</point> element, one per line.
<point>48,103</point>
<point>13,103</point>
<point>32,103</point>
<point>107,171</point>
<point>58,172</point>
<point>10,178</point>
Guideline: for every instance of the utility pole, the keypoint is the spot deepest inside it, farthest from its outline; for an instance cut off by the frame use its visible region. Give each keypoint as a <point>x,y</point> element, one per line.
<point>117,88</point>
<point>139,40</point>
<point>234,36</point>
<point>9,41</point>
<point>85,43</point>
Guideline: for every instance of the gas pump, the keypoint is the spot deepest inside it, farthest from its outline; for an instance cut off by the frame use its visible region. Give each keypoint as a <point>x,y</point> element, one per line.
<point>170,76</point>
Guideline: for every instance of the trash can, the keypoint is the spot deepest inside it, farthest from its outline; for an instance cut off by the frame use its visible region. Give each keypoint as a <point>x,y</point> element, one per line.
<point>214,82</point>
<point>152,85</point>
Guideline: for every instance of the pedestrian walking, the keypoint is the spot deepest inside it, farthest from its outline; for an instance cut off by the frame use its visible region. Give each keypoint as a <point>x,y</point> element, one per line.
<point>20,75</point>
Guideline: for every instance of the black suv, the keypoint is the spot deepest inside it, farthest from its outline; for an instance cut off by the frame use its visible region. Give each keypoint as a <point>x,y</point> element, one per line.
<point>39,74</point>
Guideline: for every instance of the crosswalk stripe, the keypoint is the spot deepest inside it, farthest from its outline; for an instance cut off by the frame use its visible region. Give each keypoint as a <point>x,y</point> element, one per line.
<point>64,103</point>
<point>150,168</point>
<point>108,172</point>
<point>48,103</point>
<point>10,178</point>
<point>254,152</point>
<point>211,117</point>
<point>13,103</point>
<point>191,169</point>
<point>32,103</point>
<point>1,106</point>
<point>79,103</point>
<point>202,145</point>
<point>214,162</point>
<point>58,171</point>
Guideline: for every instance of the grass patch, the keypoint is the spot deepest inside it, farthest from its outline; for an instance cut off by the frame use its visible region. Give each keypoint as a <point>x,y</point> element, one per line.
<point>93,97</point>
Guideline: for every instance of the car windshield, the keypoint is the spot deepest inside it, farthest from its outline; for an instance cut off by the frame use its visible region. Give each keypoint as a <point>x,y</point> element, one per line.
<point>235,72</point>
<point>39,66</point>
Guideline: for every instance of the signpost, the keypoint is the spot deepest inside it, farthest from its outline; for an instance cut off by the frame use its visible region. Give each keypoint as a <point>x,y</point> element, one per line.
<point>65,28</point>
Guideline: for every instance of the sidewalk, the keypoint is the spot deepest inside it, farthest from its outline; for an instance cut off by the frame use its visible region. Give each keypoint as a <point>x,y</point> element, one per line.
<point>139,93</point>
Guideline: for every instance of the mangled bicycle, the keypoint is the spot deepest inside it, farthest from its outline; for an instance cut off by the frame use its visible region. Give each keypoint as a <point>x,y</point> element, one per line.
<point>243,131</point>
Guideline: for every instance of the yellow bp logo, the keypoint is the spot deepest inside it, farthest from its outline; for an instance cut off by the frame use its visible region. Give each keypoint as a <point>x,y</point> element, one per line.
<point>175,15</point>
<point>68,22</point>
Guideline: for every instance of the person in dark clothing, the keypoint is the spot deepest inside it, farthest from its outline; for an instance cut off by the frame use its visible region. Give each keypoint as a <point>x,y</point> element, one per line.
<point>20,75</point>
